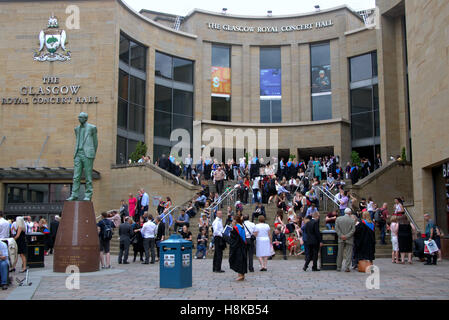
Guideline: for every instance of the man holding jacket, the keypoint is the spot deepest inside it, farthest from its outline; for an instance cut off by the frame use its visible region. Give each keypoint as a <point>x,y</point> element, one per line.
<point>313,241</point>
<point>345,228</point>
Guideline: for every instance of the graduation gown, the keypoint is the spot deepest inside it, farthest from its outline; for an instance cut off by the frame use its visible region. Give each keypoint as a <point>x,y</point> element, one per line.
<point>365,242</point>
<point>237,252</point>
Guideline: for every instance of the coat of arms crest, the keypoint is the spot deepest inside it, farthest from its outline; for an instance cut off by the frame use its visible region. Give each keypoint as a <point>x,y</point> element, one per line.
<point>52,39</point>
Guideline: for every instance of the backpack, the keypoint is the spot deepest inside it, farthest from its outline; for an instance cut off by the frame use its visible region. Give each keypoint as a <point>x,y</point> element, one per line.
<point>107,231</point>
<point>377,216</point>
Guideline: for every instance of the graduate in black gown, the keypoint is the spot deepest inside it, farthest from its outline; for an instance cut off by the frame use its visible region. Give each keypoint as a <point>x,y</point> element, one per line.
<point>365,239</point>
<point>237,250</point>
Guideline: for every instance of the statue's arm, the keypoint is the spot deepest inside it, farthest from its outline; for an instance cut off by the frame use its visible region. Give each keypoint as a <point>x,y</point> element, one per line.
<point>95,139</point>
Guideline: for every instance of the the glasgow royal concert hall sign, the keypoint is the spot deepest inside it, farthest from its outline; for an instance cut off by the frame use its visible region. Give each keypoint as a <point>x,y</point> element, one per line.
<point>270,29</point>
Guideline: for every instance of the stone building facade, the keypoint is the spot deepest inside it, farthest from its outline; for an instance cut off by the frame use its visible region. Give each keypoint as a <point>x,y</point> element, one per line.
<point>142,75</point>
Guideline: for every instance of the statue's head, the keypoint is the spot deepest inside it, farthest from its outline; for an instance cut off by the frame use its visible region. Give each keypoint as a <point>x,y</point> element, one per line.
<point>82,117</point>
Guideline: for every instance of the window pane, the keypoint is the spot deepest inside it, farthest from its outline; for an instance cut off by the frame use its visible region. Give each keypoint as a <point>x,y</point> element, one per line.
<point>137,91</point>
<point>270,58</point>
<point>17,193</point>
<point>162,124</point>
<point>183,102</point>
<point>183,70</point>
<point>123,85</point>
<point>362,125</point>
<point>361,100</point>
<point>163,65</point>
<point>122,114</point>
<point>270,82</point>
<point>374,62</point>
<point>221,109</point>
<point>183,122</point>
<point>322,107</point>
<point>320,68</point>
<point>276,112</point>
<point>162,98</point>
<point>376,124</point>
<point>375,97</point>
<point>38,193</point>
<point>138,56</point>
<point>136,118</point>
<point>132,144</point>
<point>121,151</point>
<point>124,49</point>
<point>59,192</point>
<point>220,56</point>
<point>361,67</point>
<point>265,111</point>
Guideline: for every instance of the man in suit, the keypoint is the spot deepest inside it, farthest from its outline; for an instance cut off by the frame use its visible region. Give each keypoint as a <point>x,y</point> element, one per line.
<point>345,228</point>
<point>279,241</point>
<point>84,156</point>
<point>53,230</point>
<point>125,232</point>
<point>259,211</point>
<point>160,235</point>
<point>313,241</point>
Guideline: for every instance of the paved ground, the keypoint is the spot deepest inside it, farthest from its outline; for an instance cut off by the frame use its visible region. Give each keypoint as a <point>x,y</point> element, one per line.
<point>284,280</point>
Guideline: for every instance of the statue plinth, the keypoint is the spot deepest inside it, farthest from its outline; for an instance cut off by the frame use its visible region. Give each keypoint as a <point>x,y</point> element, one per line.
<point>77,240</point>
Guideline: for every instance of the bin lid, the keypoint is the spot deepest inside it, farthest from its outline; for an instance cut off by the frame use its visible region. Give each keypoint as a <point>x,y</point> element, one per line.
<point>328,231</point>
<point>34,234</point>
<point>176,239</point>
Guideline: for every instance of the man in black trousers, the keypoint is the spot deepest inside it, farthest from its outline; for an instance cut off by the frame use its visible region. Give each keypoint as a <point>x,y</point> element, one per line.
<point>250,243</point>
<point>219,243</point>
<point>125,232</point>
<point>313,241</point>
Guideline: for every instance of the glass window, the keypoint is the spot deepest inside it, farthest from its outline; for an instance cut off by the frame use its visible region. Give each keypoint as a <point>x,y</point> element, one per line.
<point>322,107</point>
<point>183,102</point>
<point>122,115</point>
<point>16,193</point>
<point>270,72</point>
<point>361,67</point>
<point>320,67</point>
<point>162,124</point>
<point>270,58</point>
<point>137,91</point>
<point>132,144</point>
<point>121,150</point>
<point>138,56</point>
<point>265,111</point>
<point>270,111</point>
<point>276,114</point>
<point>183,70</point>
<point>124,49</point>
<point>221,56</point>
<point>159,150</point>
<point>38,193</point>
<point>136,118</point>
<point>362,125</point>
<point>164,65</point>
<point>123,85</point>
<point>59,192</point>
<point>162,98</point>
<point>361,100</point>
<point>182,122</point>
<point>221,108</point>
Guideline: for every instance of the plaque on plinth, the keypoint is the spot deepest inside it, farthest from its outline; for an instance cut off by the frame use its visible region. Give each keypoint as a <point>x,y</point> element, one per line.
<point>77,241</point>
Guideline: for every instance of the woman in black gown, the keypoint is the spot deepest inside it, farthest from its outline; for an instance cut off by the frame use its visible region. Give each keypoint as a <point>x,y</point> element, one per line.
<point>137,240</point>
<point>364,239</point>
<point>405,238</point>
<point>21,243</point>
<point>237,252</point>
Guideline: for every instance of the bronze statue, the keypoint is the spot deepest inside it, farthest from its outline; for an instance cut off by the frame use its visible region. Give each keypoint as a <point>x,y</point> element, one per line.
<point>84,156</point>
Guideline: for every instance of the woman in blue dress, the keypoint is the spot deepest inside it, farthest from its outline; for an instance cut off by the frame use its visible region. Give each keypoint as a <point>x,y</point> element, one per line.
<point>316,165</point>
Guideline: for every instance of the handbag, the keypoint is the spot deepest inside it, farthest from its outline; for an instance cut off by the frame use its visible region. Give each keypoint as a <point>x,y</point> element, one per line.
<point>430,247</point>
<point>363,265</point>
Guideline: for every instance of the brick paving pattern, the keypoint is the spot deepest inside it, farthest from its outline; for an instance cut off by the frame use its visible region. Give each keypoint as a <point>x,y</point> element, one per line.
<point>284,280</point>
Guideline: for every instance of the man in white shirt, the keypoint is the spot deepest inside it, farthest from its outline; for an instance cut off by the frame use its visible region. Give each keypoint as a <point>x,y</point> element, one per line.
<point>29,224</point>
<point>148,232</point>
<point>4,227</point>
<point>4,265</point>
<point>219,243</point>
<point>188,167</point>
<point>145,201</point>
<point>250,249</point>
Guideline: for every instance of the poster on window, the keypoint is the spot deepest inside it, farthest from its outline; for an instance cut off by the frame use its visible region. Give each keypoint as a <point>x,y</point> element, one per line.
<point>321,79</point>
<point>270,82</point>
<point>221,80</point>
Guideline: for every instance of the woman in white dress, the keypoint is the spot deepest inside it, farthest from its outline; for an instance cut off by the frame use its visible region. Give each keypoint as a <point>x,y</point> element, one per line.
<point>263,242</point>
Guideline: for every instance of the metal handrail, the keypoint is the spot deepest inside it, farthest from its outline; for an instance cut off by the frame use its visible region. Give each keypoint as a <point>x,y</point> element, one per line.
<point>328,194</point>
<point>229,191</point>
<point>410,217</point>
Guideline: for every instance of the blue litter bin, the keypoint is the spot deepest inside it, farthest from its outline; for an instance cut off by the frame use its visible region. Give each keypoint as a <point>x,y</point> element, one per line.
<point>175,263</point>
